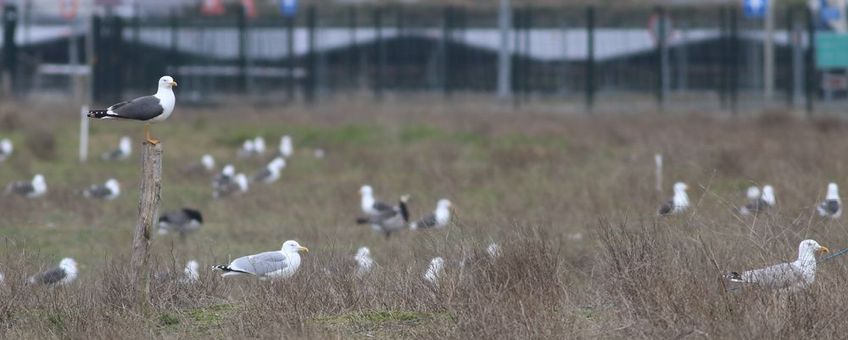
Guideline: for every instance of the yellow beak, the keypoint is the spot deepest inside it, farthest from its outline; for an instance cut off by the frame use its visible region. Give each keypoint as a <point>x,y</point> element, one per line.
<point>303,249</point>
<point>824,249</point>
<point>174,83</point>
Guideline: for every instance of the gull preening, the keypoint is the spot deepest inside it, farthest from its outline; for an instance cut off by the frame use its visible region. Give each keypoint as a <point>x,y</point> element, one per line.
<point>64,274</point>
<point>147,109</point>
<point>789,276</point>
<point>123,151</point>
<point>268,265</point>
<point>832,205</point>
<point>389,221</point>
<point>364,262</point>
<point>286,149</point>
<point>439,218</point>
<point>435,270</point>
<point>6,149</point>
<point>37,187</point>
<point>271,172</point>
<point>678,203</point>
<point>183,221</point>
<point>106,191</point>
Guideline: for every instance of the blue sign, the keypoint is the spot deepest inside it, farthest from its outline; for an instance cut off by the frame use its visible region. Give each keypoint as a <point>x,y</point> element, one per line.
<point>754,8</point>
<point>288,7</point>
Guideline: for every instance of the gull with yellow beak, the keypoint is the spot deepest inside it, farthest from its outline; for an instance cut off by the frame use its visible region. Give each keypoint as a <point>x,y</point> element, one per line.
<point>147,109</point>
<point>790,276</point>
<point>268,265</point>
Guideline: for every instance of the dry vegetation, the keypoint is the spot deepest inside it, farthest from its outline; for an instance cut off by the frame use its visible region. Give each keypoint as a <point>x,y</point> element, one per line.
<point>570,200</point>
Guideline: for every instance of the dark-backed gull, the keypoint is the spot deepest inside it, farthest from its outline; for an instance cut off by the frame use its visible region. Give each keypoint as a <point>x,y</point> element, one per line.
<point>147,109</point>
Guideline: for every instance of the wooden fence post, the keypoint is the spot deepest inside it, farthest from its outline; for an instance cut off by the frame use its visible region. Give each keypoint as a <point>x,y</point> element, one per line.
<point>148,206</point>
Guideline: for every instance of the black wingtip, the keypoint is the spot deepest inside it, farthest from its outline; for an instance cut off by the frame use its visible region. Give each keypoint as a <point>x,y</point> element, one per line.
<point>97,114</point>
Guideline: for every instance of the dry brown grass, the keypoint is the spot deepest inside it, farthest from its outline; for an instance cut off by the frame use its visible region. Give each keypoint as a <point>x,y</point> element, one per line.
<point>530,181</point>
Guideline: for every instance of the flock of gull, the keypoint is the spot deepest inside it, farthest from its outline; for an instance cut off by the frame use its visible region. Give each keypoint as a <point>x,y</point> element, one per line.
<point>383,218</point>
<point>789,276</point>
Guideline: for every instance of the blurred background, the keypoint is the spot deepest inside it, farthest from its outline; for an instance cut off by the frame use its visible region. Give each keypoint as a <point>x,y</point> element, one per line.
<point>580,56</point>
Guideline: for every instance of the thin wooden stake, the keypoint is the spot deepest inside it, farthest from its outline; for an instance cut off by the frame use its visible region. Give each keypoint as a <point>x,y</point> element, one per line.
<point>148,207</point>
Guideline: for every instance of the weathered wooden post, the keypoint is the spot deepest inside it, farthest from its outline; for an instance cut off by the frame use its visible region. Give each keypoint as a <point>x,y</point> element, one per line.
<point>148,206</point>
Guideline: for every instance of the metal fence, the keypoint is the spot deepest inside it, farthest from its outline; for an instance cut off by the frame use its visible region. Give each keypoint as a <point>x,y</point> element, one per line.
<point>578,54</point>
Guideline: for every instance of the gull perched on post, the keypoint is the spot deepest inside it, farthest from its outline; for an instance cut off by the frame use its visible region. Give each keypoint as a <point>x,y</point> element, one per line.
<point>123,151</point>
<point>438,219</point>
<point>268,265</point>
<point>832,205</point>
<point>64,274</point>
<point>107,191</point>
<point>678,203</point>
<point>6,149</point>
<point>147,109</point>
<point>29,189</point>
<point>789,276</point>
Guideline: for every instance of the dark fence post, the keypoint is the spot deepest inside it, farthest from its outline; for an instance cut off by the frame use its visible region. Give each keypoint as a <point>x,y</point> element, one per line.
<point>10,51</point>
<point>447,23</point>
<point>96,61</point>
<point>660,57</point>
<point>311,77</point>
<point>788,75</point>
<point>734,59</point>
<point>810,74</point>
<point>116,59</point>
<point>353,60</point>
<point>290,58</point>
<point>378,53</point>
<point>137,60</point>
<point>722,57</point>
<point>527,78</point>
<point>241,26</point>
<point>175,41</point>
<point>517,66</point>
<point>590,58</point>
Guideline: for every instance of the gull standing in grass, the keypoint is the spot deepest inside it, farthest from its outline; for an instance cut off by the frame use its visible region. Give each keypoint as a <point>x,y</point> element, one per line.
<point>389,221</point>
<point>435,270</point>
<point>370,205</point>
<point>364,262</point>
<point>438,219</point>
<point>37,187</point>
<point>190,273</point>
<point>678,203</point>
<point>832,205</point>
<point>6,149</point>
<point>259,145</point>
<point>768,196</point>
<point>64,274</point>
<point>106,191</point>
<point>753,206</point>
<point>183,221</point>
<point>271,172</point>
<point>228,182</point>
<point>790,276</point>
<point>286,149</point>
<point>268,265</point>
<point>247,149</point>
<point>205,166</point>
<point>123,151</point>
<point>147,109</point>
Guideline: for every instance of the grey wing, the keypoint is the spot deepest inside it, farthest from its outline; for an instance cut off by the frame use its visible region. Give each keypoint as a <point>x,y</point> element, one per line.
<point>666,208</point>
<point>383,207</point>
<point>426,221</point>
<point>142,108</point>
<point>777,276</point>
<point>831,206</point>
<point>174,219</point>
<point>261,264</point>
<point>262,175</point>
<point>98,191</point>
<point>52,276</point>
<point>21,188</point>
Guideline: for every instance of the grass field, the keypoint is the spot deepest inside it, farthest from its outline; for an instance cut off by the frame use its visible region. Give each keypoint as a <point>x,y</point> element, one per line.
<point>571,201</point>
